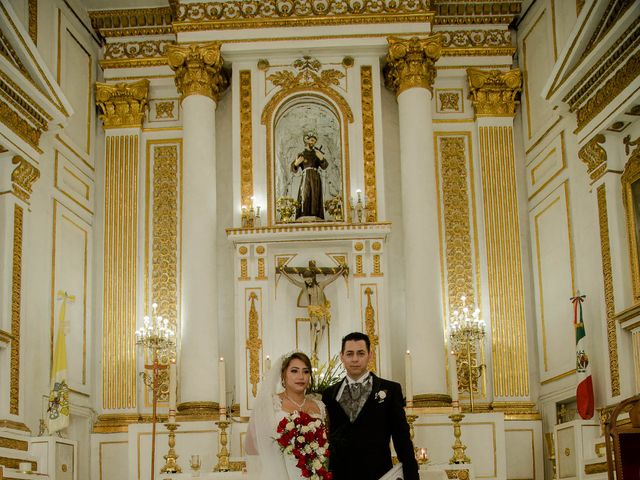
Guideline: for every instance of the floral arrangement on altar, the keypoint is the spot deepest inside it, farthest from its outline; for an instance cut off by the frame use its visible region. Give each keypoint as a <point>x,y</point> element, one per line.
<point>305,437</point>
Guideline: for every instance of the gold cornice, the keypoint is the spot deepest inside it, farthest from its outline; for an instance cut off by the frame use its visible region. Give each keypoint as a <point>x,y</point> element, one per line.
<point>410,62</point>
<point>478,12</point>
<point>594,157</point>
<point>150,51</point>
<point>131,21</point>
<point>239,14</point>
<point>493,92</point>
<point>19,126</point>
<point>614,86</point>
<point>23,177</point>
<point>198,69</point>
<point>123,104</point>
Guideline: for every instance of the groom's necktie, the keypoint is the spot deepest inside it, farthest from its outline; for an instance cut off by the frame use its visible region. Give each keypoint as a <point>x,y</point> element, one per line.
<point>354,397</point>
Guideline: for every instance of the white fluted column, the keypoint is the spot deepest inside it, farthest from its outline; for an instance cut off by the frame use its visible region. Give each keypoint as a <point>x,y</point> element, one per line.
<point>200,79</point>
<point>410,73</point>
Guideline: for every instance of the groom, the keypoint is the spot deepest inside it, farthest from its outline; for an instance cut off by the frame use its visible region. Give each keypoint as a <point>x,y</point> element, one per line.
<point>365,412</point>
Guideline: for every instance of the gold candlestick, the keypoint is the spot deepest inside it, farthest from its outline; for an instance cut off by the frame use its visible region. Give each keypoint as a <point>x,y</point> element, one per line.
<point>458,447</point>
<point>171,465</point>
<point>223,454</point>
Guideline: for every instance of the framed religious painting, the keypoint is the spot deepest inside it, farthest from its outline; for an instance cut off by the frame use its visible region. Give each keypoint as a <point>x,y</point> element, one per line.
<point>308,169</point>
<point>631,195</point>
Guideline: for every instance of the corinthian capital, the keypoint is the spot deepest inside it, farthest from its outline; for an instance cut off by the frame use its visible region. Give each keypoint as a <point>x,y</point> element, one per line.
<point>410,62</point>
<point>493,92</point>
<point>198,69</point>
<point>123,104</point>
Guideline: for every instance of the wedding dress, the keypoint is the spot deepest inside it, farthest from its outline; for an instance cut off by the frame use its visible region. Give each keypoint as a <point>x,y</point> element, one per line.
<point>265,460</point>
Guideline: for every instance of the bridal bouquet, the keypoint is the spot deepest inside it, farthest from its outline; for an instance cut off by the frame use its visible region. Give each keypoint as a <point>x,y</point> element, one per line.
<point>305,437</point>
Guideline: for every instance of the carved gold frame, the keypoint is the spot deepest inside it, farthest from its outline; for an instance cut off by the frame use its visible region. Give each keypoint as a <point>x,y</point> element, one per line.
<point>345,116</point>
<point>630,175</point>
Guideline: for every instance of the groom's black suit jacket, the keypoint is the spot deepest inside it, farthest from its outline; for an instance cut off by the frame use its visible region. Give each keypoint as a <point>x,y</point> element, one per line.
<point>360,450</point>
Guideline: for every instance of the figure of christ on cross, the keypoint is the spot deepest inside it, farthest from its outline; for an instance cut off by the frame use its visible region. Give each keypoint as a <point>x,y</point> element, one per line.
<point>312,297</point>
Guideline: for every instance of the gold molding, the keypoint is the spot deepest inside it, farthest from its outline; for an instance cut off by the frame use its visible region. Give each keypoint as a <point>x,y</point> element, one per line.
<point>607,276</point>
<point>135,54</point>
<point>368,142</point>
<point>199,409</point>
<point>456,218</point>
<point>254,344</point>
<point>476,12</point>
<point>630,175</point>
<point>504,254</point>
<point>198,69</point>
<point>431,400</point>
<point>246,140</point>
<point>558,377</point>
<point>315,227</point>
<point>607,93</point>
<point>493,92</point>
<point>16,304</point>
<point>23,176</point>
<point>33,20</point>
<point>14,444</point>
<point>410,62</point>
<point>164,274</point>
<point>238,14</point>
<point>593,468</point>
<point>13,425</point>
<point>120,272</point>
<point>123,104</point>
<point>370,328</point>
<point>476,43</point>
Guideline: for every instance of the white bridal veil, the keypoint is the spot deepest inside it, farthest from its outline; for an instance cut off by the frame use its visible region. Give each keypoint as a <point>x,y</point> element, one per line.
<point>264,458</point>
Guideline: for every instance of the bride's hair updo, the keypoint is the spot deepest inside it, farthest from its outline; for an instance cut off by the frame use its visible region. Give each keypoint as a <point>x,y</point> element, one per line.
<point>296,356</point>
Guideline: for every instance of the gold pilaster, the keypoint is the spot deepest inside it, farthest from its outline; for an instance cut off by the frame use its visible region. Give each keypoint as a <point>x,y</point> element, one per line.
<point>16,302</point>
<point>120,272</point>
<point>609,300</point>
<point>504,261</point>
<point>410,62</point>
<point>198,69</point>
<point>493,92</point>
<point>369,142</point>
<point>246,140</point>
<point>123,104</point>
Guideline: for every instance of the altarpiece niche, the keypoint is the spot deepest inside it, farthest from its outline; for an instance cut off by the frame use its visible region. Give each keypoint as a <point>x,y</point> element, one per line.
<point>308,170</point>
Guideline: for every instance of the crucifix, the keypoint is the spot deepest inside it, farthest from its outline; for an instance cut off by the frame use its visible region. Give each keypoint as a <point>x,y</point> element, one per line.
<point>312,297</point>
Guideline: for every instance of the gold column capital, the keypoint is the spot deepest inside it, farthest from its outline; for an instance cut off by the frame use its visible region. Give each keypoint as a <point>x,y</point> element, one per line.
<point>493,92</point>
<point>23,176</point>
<point>410,62</point>
<point>123,104</point>
<point>198,69</point>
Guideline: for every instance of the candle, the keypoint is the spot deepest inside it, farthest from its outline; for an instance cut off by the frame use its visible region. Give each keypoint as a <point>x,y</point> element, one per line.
<point>172,392</point>
<point>267,364</point>
<point>453,378</point>
<point>223,391</point>
<point>408,378</point>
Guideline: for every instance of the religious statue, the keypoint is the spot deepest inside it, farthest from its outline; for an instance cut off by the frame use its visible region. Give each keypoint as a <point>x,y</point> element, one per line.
<point>311,159</point>
<point>312,297</point>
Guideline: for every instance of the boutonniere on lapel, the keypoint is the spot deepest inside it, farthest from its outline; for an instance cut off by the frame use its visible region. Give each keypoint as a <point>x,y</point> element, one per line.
<point>381,395</point>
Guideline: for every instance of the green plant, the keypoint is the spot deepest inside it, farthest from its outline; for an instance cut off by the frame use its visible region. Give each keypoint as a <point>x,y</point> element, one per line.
<point>326,375</point>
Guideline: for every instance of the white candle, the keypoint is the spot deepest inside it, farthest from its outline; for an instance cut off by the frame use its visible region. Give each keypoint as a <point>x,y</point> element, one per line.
<point>267,364</point>
<point>223,390</point>
<point>408,378</point>
<point>172,392</point>
<point>453,377</point>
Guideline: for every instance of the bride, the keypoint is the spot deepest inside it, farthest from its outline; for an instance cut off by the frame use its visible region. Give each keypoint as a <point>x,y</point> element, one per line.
<point>282,393</point>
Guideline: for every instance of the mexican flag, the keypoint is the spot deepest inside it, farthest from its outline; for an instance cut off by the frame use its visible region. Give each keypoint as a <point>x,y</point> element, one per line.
<point>58,410</point>
<point>584,391</point>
